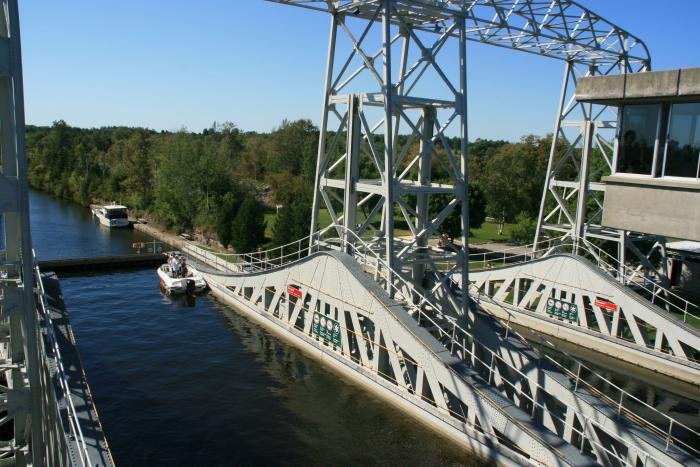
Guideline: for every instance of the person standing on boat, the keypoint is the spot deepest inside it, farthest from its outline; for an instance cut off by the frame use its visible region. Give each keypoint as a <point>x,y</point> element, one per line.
<point>178,267</point>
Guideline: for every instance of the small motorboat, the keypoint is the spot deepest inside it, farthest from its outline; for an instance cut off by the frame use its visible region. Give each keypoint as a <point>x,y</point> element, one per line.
<point>176,277</point>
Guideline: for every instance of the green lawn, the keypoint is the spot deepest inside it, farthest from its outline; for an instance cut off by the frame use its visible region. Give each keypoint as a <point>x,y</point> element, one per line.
<point>488,232</point>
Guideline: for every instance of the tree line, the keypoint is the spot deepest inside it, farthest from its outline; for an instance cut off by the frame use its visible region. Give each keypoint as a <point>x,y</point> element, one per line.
<point>223,180</point>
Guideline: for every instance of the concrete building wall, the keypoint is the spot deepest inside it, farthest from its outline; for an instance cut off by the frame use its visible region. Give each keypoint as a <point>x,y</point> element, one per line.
<point>659,85</point>
<point>654,206</point>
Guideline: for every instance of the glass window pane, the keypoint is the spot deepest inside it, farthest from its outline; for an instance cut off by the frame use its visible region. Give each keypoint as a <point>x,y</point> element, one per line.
<point>683,147</point>
<point>637,138</point>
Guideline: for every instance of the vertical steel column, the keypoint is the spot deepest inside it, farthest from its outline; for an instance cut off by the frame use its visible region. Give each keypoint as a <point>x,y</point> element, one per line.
<point>23,249</point>
<point>622,256</point>
<point>388,90</point>
<point>424,169</point>
<point>568,70</point>
<point>584,171</point>
<point>352,171</point>
<point>462,106</point>
<point>327,91</point>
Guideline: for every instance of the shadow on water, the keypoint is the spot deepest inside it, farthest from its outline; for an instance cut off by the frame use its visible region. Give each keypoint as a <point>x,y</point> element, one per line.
<point>188,381</point>
<point>200,385</point>
<point>340,423</point>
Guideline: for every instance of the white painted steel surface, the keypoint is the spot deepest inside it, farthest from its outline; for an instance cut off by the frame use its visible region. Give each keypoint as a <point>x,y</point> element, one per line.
<point>451,378</point>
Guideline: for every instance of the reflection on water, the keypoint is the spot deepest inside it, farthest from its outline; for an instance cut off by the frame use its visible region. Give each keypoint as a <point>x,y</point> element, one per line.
<point>200,385</point>
<point>62,229</point>
<point>187,381</point>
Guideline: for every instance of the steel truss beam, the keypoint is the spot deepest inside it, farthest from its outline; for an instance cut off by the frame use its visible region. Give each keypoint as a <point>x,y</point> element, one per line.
<point>37,428</point>
<point>606,311</point>
<point>572,200</point>
<point>488,392</point>
<point>380,138</point>
<point>560,29</point>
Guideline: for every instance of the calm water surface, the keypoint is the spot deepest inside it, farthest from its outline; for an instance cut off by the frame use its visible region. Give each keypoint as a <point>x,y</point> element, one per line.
<point>180,383</point>
<point>61,229</point>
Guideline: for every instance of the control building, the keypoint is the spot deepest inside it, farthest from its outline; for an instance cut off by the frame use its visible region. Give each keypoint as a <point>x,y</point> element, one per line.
<point>655,184</point>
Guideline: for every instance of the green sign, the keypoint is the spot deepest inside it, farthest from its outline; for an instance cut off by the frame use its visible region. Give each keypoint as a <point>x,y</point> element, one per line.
<point>561,309</point>
<point>326,328</point>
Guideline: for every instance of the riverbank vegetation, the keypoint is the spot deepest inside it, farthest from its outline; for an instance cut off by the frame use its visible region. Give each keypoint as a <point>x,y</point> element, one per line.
<point>246,189</point>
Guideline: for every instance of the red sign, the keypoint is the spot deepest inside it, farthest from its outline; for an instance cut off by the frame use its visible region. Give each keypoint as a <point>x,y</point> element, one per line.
<point>294,291</point>
<point>605,304</point>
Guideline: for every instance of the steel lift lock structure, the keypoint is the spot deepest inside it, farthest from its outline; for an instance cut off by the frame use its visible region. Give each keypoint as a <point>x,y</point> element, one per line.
<point>402,318</point>
<point>385,311</point>
<point>405,64</point>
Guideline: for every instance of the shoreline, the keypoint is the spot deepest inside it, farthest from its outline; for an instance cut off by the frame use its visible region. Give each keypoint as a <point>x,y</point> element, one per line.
<point>171,239</point>
<point>165,237</point>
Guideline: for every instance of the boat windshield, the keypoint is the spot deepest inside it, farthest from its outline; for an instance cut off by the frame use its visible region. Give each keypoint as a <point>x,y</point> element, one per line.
<point>115,213</point>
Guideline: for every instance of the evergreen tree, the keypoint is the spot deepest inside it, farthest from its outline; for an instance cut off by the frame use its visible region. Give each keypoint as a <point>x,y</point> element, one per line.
<point>225,218</point>
<point>292,222</point>
<point>248,229</point>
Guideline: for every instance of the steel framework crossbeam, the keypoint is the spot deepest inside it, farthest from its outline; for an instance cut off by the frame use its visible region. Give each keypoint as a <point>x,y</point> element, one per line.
<point>381,138</point>
<point>560,29</point>
<point>21,345</point>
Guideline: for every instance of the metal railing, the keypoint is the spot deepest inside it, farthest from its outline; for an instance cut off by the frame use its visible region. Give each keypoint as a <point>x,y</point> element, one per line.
<point>657,291</point>
<point>458,331</point>
<point>509,256</point>
<point>76,432</point>
<point>455,334</point>
<point>617,404</point>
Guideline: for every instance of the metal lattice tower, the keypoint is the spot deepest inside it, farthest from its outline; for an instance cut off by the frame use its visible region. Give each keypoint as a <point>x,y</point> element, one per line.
<point>581,154</point>
<point>18,319</point>
<point>370,169</point>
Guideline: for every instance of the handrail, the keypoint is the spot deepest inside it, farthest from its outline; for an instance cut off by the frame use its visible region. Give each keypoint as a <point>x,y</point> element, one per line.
<point>623,393</point>
<point>657,288</point>
<point>72,414</point>
<point>531,398</point>
<point>424,302</point>
<point>633,416</point>
<point>586,428</point>
<point>658,291</point>
<point>531,249</point>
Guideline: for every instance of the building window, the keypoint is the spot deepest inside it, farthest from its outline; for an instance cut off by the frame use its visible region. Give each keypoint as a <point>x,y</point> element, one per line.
<point>637,139</point>
<point>683,144</point>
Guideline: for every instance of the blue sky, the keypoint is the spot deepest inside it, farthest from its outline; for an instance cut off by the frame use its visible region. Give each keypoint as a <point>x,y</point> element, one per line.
<point>173,64</point>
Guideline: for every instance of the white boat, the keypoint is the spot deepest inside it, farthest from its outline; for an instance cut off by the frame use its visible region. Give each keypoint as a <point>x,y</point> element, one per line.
<point>173,283</point>
<point>112,215</point>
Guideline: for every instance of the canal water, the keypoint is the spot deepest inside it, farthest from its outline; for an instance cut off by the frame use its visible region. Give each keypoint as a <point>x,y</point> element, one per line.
<point>179,383</point>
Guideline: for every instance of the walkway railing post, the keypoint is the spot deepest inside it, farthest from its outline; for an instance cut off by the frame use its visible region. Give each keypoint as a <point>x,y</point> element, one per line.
<point>619,405</point>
